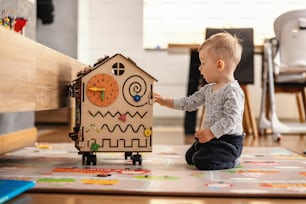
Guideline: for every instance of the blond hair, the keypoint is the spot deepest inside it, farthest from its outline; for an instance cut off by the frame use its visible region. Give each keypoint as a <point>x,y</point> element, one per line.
<point>225,46</point>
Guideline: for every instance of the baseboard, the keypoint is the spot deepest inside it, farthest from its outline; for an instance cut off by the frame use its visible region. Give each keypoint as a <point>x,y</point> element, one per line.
<point>17,140</point>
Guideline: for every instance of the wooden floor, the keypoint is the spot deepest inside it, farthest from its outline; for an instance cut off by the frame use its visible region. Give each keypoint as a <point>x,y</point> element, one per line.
<point>162,135</point>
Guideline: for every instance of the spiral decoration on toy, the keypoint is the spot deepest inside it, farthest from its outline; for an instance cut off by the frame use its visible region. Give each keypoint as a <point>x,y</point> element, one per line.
<point>134,91</point>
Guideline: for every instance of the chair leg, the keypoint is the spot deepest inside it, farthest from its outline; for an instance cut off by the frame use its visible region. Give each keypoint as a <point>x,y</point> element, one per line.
<point>263,122</point>
<point>246,121</point>
<point>249,111</point>
<point>276,126</point>
<point>304,102</point>
<point>300,108</point>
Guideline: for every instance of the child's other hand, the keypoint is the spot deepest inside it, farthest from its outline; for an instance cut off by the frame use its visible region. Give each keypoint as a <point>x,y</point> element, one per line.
<point>204,135</point>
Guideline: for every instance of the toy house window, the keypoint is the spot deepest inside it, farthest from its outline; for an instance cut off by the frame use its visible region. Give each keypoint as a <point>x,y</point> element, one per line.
<point>118,69</point>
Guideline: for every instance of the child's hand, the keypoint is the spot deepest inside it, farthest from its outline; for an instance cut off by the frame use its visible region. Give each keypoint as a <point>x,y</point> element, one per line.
<point>159,99</point>
<point>204,135</point>
<point>163,101</point>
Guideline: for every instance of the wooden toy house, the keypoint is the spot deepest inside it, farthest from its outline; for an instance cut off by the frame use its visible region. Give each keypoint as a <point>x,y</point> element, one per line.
<point>114,109</point>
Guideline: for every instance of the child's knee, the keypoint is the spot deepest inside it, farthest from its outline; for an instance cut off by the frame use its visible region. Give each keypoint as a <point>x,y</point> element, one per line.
<point>203,164</point>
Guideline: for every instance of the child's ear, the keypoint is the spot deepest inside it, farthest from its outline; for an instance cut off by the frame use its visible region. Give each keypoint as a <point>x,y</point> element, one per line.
<point>220,65</point>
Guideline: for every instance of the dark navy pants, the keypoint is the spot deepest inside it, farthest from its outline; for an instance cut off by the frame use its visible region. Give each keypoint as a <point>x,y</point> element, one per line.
<point>216,154</point>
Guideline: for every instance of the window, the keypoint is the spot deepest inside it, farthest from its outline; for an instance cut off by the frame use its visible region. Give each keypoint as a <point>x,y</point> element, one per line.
<point>118,69</point>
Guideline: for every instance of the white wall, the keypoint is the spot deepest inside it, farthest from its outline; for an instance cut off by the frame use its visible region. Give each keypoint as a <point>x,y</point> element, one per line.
<point>189,18</point>
<point>61,34</point>
<point>107,27</point>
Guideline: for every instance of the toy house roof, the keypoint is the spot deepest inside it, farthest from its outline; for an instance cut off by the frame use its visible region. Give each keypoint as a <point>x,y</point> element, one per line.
<point>107,58</point>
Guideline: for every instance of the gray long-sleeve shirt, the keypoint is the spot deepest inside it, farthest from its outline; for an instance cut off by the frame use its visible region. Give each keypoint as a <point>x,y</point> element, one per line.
<point>223,108</point>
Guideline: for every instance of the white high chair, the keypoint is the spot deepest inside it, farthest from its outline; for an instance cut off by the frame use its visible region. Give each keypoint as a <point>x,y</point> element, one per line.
<point>285,64</point>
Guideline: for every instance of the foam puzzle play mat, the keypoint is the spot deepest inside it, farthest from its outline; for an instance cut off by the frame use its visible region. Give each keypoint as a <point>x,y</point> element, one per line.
<point>56,167</point>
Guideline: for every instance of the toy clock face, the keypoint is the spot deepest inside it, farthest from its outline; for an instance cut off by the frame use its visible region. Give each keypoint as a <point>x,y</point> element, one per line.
<point>102,90</point>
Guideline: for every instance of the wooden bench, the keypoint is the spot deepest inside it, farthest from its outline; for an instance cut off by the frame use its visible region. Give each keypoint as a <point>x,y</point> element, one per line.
<point>33,77</point>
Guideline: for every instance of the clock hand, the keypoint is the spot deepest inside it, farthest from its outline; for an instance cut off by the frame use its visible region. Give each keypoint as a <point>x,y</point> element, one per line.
<point>96,89</point>
<point>102,94</point>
